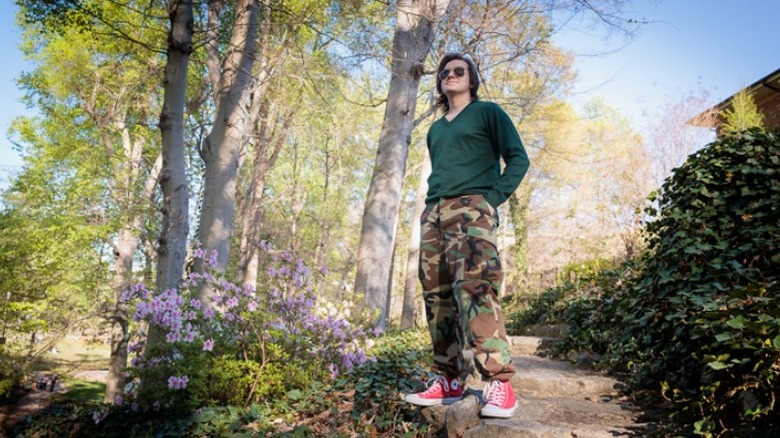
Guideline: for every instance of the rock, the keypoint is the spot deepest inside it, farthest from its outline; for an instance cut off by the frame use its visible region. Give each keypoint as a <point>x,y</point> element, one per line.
<point>586,360</point>
<point>462,416</point>
<point>507,429</point>
<point>436,417</point>
<point>543,377</point>
<point>530,345</point>
<point>453,420</point>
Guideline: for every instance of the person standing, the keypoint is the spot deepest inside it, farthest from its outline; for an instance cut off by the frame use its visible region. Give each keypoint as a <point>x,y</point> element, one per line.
<point>460,268</point>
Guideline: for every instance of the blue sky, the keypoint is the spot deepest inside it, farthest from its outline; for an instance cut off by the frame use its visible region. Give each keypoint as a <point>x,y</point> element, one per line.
<point>687,45</point>
<point>717,45</point>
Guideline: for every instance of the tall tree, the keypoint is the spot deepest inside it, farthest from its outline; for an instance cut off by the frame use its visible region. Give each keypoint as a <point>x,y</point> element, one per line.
<point>172,243</point>
<point>230,80</point>
<point>416,23</point>
<point>102,84</point>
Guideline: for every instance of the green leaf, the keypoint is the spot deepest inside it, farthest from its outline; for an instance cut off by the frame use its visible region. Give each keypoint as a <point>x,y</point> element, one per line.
<point>718,365</point>
<point>726,336</point>
<point>776,342</point>
<point>737,323</point>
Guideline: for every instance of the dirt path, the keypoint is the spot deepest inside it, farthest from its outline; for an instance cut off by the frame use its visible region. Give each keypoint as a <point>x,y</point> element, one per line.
<point>29,402</point>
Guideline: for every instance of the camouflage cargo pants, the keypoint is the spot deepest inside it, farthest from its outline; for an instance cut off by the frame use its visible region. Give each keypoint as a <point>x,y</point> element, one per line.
<point>460,271</point>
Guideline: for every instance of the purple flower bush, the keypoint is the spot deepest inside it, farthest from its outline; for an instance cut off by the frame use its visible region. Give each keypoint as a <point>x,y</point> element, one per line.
<point>236,338</point>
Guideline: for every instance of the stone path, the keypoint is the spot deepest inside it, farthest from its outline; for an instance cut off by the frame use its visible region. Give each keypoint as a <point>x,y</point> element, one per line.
<point>557,400</point>
<point>36,399</point>
<point>28,404</point>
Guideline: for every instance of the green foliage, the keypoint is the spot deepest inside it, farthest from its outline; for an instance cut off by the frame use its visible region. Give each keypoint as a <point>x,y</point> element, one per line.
<point>587,306</point>
<point>365,402</point>
<point>699,319</point>
<point>10,372</point>
<point>743,115</point>
<point>83,421</point>
<point>378,385</point>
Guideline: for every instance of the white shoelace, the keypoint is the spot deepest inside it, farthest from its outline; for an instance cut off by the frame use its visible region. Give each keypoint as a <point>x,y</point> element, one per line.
<point>495,393</point>
<point>431,384</point>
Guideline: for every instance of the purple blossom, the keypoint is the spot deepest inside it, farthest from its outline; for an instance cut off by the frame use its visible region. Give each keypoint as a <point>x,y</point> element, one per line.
<point>98,416</point>
<point>252,306</point>
<point>208,345</point>
<point>232,302</point>
<point>118,400</point>
<point>213,258</point>
<point>176,382</point>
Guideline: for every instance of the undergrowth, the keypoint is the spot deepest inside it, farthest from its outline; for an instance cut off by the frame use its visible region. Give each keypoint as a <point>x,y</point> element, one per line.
<point>696,319</point>
<point>364,402</point>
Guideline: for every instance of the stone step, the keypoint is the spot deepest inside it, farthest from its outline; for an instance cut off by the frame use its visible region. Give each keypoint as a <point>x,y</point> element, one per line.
<point>530,345</point>
<point>537,376</point>
<point>539,417</point>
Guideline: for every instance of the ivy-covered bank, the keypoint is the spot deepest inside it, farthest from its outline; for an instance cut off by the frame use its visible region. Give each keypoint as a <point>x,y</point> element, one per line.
<point>696,319</point>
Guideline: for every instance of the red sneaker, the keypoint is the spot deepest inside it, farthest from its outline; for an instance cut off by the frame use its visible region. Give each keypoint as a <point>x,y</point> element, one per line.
<point>443,391</point>
<point>501,399</point>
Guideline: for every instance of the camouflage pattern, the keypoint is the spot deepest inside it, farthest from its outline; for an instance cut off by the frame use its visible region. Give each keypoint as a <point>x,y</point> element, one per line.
<point>460,271</point>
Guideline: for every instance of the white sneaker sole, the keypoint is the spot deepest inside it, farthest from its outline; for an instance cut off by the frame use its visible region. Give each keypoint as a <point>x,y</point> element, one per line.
<point>416,400</point>
<point>496,412</point>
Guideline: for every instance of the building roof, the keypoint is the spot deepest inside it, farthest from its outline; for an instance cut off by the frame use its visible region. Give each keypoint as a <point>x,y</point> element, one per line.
<point>766,93</point>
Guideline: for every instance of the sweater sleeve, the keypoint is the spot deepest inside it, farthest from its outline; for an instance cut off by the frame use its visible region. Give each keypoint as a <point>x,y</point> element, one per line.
<point>505,137</point>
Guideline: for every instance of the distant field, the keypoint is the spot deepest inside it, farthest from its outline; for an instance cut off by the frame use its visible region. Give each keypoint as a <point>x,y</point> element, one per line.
<point>77,354</point>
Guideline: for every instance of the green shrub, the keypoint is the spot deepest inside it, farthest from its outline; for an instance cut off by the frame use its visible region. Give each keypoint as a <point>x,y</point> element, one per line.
<point>586,306</point>
<point>78,420</point>
<point>697,318</point>
<point>240,345</point>
<point>703,320</point>
<point>364,402</point>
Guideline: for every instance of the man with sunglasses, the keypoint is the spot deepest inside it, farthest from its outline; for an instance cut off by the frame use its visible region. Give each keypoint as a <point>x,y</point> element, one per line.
<point>460,268</point>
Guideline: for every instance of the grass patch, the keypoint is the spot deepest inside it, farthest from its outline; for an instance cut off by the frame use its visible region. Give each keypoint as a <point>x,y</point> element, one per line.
<point>81,390</point>
<point>76,354</point>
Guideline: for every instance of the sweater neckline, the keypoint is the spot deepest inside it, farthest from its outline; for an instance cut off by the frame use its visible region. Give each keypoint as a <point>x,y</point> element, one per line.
<point>444,117</point>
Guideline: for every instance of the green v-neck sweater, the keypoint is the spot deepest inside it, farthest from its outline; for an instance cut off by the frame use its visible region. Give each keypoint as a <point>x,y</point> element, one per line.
<point>466,152</point>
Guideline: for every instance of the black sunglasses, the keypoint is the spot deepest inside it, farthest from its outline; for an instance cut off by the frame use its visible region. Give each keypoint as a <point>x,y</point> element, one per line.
<point>459,72</point>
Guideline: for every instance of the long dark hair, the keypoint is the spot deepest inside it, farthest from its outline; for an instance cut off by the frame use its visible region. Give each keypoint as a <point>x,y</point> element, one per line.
<point>441,101</point>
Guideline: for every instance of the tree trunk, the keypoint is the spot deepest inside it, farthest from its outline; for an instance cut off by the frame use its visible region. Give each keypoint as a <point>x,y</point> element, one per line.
<point>172,248</point>
<point>252,220</point>
<point>222,146</point>
<point>410,306</point>
<point>127,244</point>
<point>412,39</point>
<point>125,248</point>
